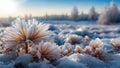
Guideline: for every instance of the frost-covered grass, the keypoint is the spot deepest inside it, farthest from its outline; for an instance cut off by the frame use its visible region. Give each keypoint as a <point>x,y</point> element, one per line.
<point>51,45</point>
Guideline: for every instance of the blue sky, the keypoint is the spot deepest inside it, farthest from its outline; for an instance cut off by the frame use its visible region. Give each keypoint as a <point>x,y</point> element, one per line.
<point>41,7</point>
<point>64,6</point>
<point>67,3</point>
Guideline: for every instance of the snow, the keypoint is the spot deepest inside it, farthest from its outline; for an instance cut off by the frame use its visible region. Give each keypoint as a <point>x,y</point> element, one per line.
<point>7,58</point>
<point>66,47</point>
<point>87,60</point>
<point>67,63</point>
<point>7,66</point>
<point>24,59</point>
<point>42,64</point>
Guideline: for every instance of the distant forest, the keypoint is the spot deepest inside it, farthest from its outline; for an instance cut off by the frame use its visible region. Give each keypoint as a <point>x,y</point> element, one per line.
<point>109,15</point>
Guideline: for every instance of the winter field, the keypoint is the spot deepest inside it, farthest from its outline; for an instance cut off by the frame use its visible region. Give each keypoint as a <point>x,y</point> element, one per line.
<point>59,44</point>
<point>78,39</point>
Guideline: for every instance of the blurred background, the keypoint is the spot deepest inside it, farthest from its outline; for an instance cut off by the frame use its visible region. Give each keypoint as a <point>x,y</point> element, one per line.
<point>61,11</point>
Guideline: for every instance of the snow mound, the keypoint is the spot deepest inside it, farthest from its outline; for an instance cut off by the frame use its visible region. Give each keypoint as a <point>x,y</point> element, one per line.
<point>87,60</point>
<point>67,63</point>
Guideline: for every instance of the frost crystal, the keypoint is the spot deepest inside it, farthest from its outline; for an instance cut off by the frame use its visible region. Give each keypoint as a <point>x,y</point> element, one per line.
<point>49,51</point>
<point>96,43</point>
<point>116,44</point>
<point>22,33</point>
<point>74,39</point>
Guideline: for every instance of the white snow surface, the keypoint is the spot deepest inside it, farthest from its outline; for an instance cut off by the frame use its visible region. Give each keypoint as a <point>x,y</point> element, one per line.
<point>61,30</point>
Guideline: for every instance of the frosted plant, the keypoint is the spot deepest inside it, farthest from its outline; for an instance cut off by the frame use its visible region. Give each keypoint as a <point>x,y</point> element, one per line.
<point>116,44</point>
<point>67,49</point>
<point>49,50</point>
<point>86,38</point>
<point>96,43</point>
<point>78,49</point>
<point>95,49</point>
<point>87,50</point>
<point>36,55</point>
<point>97,52</point>
<point>74,39</point>
<point>22,33</point>
<point>38,32</point>
<point>100,54</point>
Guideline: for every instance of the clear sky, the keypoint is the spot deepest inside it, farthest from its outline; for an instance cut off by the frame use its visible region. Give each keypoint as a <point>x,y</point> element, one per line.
<point>41,7</point>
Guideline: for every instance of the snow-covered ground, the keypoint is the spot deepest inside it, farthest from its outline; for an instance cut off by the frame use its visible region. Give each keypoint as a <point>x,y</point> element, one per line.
<point>70,22</point>
<point>73,44</point>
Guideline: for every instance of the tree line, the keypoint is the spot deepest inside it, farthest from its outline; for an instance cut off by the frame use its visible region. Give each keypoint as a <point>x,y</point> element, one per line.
<point>109,15</point>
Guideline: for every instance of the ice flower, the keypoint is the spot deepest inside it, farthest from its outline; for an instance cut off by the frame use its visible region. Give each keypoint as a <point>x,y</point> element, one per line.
<point>86,38</point>
<point>96,43</point>
<point>87,50</point>
<point>78,49</point>
<point>116,44</point>
<point>67,49</point>
<point>49,50</point>
<point>74,39</point>
<point>100,54</point>
<point>95,49</point>
<point>22,33</point>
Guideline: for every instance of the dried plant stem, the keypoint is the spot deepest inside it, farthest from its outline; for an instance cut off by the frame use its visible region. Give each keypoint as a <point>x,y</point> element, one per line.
<point>26,48</point>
